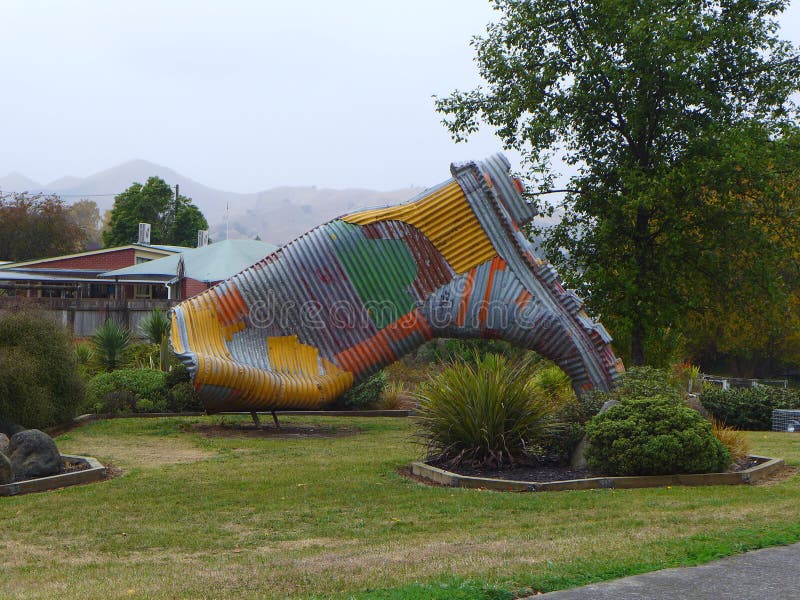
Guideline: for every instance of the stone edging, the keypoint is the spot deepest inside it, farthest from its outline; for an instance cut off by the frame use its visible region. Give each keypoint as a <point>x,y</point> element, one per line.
<point>767,466</point>
<point>95,472</point>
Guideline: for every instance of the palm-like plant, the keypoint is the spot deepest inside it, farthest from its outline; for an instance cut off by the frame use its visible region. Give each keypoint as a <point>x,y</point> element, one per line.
<point>109,342</point>
<point>155,326</point>
<point>483,413</point>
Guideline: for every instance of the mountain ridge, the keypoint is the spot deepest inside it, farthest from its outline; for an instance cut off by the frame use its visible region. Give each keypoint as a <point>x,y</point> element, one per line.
<point>276,215</point>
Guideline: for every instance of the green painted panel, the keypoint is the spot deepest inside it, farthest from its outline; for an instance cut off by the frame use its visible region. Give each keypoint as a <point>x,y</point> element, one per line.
<point>380,270</point>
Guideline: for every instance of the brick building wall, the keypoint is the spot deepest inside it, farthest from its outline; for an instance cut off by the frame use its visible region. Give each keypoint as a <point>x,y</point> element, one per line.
<point>191,287</point>
<point>106,261</point>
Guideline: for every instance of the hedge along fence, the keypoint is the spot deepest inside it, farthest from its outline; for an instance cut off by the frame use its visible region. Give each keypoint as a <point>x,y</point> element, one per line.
<point>748,408</point>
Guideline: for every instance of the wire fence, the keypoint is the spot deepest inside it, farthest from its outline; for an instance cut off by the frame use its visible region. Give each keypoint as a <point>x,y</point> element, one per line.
<point>786,420</point>
<point>740,382</point>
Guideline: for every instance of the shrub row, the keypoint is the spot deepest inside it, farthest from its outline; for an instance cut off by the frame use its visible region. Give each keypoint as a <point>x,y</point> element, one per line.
<point>748,408</point>
<point>141,390</point>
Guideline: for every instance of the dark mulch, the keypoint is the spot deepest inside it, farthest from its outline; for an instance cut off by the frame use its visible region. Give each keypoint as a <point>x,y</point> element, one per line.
<point>535,473</point>
<point>545,473</point>
<point>71,466</point>
<point>249,430</point>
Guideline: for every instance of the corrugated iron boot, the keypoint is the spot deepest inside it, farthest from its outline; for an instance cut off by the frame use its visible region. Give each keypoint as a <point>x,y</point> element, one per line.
<point>300,327</point>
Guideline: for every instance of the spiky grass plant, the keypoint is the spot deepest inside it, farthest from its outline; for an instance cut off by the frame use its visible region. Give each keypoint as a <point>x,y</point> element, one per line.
<point>83,354</point>
<point>483,413</point>
<point>733,439</point>
<point>392,396</point>
<point>109,343</point>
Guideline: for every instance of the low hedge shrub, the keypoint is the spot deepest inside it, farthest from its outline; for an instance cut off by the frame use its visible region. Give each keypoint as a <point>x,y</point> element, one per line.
<point>119,391</point>
<point>363,395</point>
<point>748,409</point>
<point>40,382</point>
<point>141,391</point>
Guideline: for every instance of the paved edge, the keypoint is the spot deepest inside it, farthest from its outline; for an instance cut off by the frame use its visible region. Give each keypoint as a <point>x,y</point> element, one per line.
<point>754,575</point>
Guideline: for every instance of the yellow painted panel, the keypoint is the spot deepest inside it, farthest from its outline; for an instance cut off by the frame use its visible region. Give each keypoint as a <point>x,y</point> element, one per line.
<point>446,219</point>
<point>297,378</point>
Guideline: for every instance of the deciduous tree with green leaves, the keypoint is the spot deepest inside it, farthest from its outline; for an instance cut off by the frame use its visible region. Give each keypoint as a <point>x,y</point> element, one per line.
<point>637,94</point>
<point>174,220</point>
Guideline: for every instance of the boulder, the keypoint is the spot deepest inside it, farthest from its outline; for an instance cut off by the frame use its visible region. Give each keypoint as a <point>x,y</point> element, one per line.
<point>6,472</point>
<point>33,454</point>
<point>578,459</point>
<point>4,442</point>
<point>606,405</point>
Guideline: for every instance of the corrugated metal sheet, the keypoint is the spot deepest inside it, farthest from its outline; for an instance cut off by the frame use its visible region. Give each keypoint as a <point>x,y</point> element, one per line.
<point>297,328</point>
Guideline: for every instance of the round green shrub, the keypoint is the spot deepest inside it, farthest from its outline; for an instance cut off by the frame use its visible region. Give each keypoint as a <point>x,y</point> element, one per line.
<point>40,384</point>
<point>653,436</point>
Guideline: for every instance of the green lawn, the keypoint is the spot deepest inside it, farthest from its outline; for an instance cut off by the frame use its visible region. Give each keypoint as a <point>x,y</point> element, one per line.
<point>192,517</point>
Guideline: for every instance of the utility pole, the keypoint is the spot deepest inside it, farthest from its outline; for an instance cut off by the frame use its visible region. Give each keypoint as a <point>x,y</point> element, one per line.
<point>174,216</point>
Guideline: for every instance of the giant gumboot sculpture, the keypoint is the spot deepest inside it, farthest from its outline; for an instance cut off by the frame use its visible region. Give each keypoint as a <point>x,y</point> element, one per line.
<point>301,326</point>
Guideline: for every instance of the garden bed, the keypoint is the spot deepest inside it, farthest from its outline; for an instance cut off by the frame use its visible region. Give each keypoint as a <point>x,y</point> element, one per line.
<point>77,470</point>
<point>552,479</point>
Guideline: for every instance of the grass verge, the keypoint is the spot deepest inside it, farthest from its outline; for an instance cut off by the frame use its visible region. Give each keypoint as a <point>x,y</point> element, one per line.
<point>329,517</point>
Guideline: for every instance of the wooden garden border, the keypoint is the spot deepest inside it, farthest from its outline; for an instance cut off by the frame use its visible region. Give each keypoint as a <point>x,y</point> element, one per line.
<point>95,472</point>
<point>767,466</point>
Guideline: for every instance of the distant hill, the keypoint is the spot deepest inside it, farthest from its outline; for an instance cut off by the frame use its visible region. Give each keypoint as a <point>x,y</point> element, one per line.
<point>16,182</point>
<point>281,214</point>
<point>276,215</point>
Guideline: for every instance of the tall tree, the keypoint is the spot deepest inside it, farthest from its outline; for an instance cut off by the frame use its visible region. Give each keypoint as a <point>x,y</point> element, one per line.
<point>174,220</point>
<point>631,91</point>
<point>745,316</point>
<point>36,226</point>
<point>86,215</point>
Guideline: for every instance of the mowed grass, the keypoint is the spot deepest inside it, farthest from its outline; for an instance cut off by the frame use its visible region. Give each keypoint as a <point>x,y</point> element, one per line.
<point>193,517</point>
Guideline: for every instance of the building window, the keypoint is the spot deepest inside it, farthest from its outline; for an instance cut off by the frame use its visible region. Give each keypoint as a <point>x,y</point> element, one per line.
<point>142,291</point>
<point>142,259</point>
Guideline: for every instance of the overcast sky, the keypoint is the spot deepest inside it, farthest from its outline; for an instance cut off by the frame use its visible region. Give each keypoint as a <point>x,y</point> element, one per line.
<point>241,95</point>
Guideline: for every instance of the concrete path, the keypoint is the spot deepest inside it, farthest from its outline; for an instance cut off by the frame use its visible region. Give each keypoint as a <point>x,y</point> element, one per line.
<point>768,574</point>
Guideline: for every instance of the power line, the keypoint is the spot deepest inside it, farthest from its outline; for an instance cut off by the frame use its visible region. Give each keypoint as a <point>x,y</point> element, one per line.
<point>44,193</point>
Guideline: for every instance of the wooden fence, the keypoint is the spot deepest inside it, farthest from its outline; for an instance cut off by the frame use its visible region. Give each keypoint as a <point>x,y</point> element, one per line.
<point>83,315</point>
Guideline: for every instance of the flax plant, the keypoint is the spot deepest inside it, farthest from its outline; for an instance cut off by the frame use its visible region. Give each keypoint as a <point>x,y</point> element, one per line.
<point>483,413</point>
